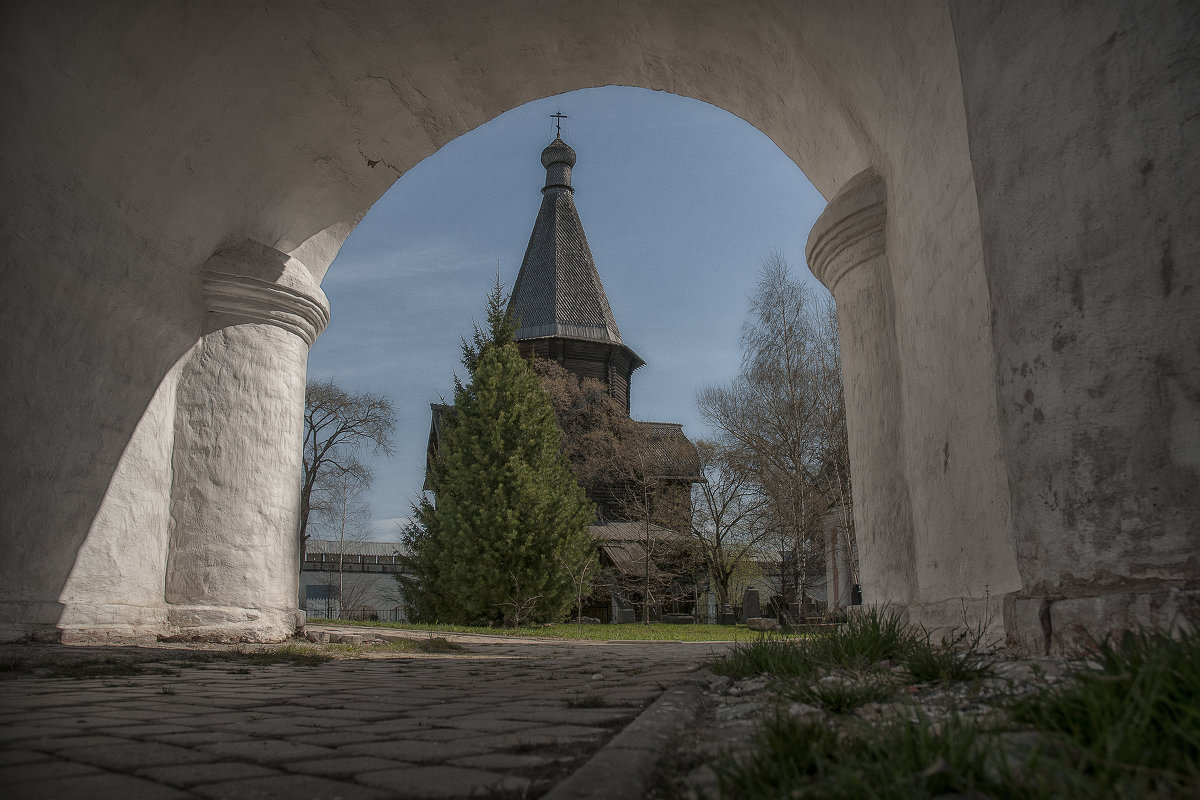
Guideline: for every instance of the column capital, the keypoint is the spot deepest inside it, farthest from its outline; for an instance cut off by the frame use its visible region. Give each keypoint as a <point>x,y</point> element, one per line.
<point>850,231</point>
<point>261,284</point>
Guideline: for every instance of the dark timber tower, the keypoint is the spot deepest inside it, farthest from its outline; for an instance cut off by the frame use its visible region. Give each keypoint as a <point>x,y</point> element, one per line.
<point>558,300</point>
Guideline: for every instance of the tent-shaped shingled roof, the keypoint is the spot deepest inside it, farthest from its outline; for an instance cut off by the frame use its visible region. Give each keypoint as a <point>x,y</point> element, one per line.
<point>558,290</point>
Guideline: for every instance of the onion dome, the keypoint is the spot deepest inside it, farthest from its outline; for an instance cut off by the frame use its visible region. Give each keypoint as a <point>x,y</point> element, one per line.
<point>558,158</point>
<point>558,152</point>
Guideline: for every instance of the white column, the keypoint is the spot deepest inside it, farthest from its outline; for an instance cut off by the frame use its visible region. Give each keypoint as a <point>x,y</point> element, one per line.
<point>231,566</point>
<point>846,252</point>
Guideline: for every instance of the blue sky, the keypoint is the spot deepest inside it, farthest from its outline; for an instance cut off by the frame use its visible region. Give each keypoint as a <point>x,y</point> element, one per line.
<point>680,202</point>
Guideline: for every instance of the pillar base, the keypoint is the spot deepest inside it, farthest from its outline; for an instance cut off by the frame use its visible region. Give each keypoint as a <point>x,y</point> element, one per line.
<point>195,623</point>
<point>953,616</point>
<point>111,623</point>
<point>1068,626</point>
<point>80,623</point>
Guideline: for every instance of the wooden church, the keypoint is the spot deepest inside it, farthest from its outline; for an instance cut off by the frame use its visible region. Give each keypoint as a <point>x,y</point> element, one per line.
<point>563,316</point>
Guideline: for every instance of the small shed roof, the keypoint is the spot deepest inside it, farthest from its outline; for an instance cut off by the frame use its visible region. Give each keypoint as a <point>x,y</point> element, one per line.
<point>631,531</point>
<point>333,547</point>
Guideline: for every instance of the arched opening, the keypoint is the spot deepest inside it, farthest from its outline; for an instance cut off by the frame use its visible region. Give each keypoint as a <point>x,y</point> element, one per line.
<point>680,202</point>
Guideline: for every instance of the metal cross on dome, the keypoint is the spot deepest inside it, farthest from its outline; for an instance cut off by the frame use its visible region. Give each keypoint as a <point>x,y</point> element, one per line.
<point>558,118</point>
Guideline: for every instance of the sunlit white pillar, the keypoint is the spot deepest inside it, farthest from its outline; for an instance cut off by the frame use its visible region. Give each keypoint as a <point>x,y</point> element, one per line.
<point>231,566</point>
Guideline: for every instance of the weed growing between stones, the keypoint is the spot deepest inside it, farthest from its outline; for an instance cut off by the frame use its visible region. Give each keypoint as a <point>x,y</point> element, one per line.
<point>101,667</point>
<point>588,701</point>
<point>953,658</point>
<point>64,666</point>
<point>11,666</point>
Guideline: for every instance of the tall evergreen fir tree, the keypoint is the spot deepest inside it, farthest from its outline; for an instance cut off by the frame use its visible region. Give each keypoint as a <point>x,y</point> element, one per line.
<point>508,517</point>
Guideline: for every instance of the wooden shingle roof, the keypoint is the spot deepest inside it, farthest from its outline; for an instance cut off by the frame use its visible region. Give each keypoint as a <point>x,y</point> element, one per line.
<point>673,454</point>
<point>558,290</point>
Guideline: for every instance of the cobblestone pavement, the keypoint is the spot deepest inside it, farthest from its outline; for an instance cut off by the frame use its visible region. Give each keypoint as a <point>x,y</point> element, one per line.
<point>504,718</point>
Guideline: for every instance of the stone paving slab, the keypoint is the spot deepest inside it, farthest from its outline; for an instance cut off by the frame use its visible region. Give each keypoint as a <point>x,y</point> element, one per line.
<point>445,781</point>
<point>287,787</point>
<point>504,718</point>
<point>184,775</point>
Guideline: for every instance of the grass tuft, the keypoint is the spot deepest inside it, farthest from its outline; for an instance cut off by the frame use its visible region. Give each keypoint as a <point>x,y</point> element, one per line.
<point>1126,726</point>
<point>588,701</point>
<point>437,644</point>
<point>783,658</point>
<point>291,653</point>
<point>1133,718</point>
<point>841,695</point>
<point>954,658</point>
<point>871,635</point>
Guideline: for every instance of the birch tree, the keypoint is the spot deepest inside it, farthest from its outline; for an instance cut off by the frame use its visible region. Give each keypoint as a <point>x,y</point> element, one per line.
<point>783,419</point>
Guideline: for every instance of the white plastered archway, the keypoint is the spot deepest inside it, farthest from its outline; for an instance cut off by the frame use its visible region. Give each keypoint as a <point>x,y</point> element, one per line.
<point>147,139</point>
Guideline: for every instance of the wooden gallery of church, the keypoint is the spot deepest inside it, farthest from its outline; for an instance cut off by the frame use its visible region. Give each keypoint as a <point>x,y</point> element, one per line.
<point>564,316</point>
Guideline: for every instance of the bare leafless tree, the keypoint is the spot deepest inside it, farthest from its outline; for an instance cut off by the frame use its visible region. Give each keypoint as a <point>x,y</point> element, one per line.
<point>656,503</point>
<point>728,517</point>
<point>517,606</point>
<point>783,420</point>
<point>337,426</point>
<point>582,574</point>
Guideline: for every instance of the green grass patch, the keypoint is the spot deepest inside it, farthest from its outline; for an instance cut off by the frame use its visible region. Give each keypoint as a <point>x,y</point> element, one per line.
<point>293,654</point>
<point>869,638</point>
<point>609,632</point>
<point>342,649</point>
<point>432,644</point>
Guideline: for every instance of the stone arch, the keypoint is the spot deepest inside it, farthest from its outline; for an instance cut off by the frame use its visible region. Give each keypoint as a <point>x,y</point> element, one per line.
<point>150,145</point>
